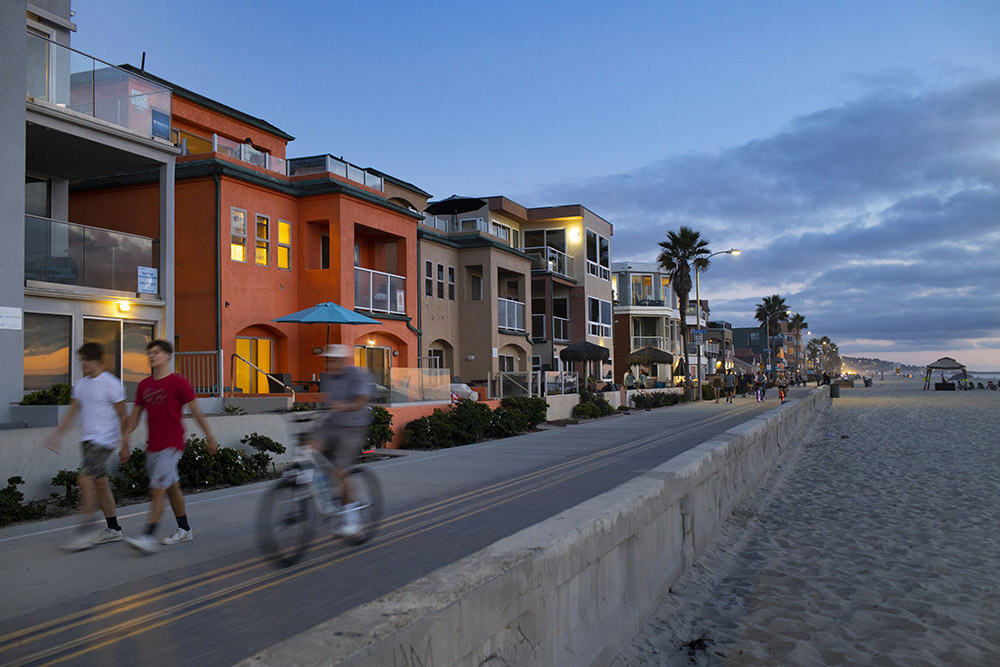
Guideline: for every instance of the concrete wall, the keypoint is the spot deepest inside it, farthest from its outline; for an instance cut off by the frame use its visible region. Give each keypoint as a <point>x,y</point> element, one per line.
<point>552,597</point>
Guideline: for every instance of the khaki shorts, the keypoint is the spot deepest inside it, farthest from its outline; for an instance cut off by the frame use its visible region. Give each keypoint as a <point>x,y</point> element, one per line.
<point>95,459</point>
<point>342,445</point>
<point>162,467</point>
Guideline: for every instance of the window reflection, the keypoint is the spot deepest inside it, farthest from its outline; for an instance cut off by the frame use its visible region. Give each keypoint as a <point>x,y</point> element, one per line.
<point>46,350</point>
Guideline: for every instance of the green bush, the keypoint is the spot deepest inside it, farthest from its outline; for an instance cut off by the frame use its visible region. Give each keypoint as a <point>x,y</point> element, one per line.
<point>303,407</point>
<point>623,408</point>
<point>589,397</point>
<point>470,421</point>
<point>132,478</point>
<point>432,432</point>
<point>586,410</point>
<point>233,410</point>
<point>265,446</point>
<point>380,430</point>
<point>66,479</point>
<point>655,399</point>
<point>707,393</point>
<point>507,422</point>
<point>197,468</point>
<point>57,394</point>
<point>11,507</point>
<point>534,409</point>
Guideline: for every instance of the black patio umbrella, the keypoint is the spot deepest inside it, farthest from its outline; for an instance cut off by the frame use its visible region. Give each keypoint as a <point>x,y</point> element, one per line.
<point>454,205</point>
<point>649,355</point>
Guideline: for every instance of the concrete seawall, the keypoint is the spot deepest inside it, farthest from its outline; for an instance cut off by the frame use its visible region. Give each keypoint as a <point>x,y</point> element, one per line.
<point>571,590</point>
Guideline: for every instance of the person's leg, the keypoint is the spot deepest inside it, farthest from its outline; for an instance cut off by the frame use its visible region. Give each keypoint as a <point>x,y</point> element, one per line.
<point>176,500</point>
<point>87,501</point>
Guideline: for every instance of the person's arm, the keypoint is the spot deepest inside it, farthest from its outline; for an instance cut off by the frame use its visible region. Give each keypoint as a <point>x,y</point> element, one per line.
<point>53,441</point>
<point>122,419</point>
<point>199,416</point>
<point>132,422</point>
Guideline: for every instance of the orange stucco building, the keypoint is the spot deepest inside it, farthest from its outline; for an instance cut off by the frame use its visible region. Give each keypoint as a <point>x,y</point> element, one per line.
<point>259,236</point>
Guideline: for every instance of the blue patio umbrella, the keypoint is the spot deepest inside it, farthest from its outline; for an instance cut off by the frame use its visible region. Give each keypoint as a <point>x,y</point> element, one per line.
<point>327,313</point>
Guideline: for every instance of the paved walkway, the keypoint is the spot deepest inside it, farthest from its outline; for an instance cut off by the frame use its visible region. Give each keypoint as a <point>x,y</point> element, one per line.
<point>873,543</point>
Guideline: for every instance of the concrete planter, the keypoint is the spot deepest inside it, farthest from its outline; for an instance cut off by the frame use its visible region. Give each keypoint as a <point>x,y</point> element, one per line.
<point>35,416</point>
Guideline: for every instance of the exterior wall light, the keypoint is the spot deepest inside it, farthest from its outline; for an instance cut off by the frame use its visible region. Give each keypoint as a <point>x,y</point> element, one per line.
<point>124,306</point>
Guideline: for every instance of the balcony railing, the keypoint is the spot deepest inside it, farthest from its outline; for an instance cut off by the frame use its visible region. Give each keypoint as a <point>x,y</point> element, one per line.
<point>436,222</point>
<point>379,292</point>
<point>72,254</point>
<point>510,315</point>
<point>75,81</point>
<point>647,300</point>
<point>658,342</point>
<point>327,164</point>
<point>550,260</point>
<point>560,328</point>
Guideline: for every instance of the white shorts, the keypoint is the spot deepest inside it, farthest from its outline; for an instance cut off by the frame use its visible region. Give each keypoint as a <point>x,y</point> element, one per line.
<point>162,467</point>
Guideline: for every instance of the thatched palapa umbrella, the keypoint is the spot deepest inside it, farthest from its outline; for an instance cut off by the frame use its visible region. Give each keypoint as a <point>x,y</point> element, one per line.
<point>585,351</point>
<point>647,356</point>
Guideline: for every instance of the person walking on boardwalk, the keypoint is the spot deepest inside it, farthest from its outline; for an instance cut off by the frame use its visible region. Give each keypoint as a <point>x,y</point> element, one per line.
<point>162,396</point>
<point>100,402</point>
<point>729,384</point>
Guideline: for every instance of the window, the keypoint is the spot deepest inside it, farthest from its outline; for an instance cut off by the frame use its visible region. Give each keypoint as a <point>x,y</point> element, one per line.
<point>284,244</point>
<point>505,363</point>
<point>47,341</point>
<point>429,278</point>
<point>665,290</point>
<point>476,286</point>
<point>642,290</point>
<point>238,231</point>
<point>37,196</point>
<point>598,317</point>
<point>451,283</point>
<point>598,255</point>
<point>536,363</point>
<point>324,251</point>
<point>553,238</point>
<point>435,358</point>
<point>357,254</point>
<point>440,281</point>
<point>472,225</point>
<point>263,239</point>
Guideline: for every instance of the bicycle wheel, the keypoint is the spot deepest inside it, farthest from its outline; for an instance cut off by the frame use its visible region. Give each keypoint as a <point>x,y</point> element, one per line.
<point>285,522</point>
<point>368,495</point>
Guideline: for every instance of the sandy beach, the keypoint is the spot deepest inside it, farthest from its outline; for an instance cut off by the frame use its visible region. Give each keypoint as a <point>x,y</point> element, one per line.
<point>873,542</point>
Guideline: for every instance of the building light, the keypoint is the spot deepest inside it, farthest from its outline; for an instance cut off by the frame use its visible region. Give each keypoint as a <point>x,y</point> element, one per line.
<point>124,306</point>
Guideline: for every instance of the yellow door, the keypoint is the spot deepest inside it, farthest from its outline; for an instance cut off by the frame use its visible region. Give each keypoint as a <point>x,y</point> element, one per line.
<point>244,377</point>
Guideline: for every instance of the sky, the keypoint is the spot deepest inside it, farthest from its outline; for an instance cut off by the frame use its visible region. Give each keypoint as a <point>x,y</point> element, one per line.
<point>849,149</point>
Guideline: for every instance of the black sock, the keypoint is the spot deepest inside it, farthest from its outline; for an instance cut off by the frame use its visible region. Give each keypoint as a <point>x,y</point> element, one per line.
<point>112,522</point>
<point>182,522</point>
<point>150,528</point>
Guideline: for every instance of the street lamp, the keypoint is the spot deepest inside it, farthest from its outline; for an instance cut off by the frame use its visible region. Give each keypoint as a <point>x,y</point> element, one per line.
<point>697,300</point>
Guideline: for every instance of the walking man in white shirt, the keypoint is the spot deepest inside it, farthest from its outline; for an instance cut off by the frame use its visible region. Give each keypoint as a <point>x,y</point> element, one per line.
<point>99,400</point>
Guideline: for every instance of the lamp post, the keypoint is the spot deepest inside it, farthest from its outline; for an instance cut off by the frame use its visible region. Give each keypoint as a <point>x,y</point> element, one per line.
<point>697,311</point>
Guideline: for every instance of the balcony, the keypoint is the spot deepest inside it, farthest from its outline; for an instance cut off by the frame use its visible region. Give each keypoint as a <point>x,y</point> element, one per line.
<point>379,292</point>
<point>327,164</point>
<point>65,253</point>
<point>510,315</point>
<point>65,78</point>
<point>550,260</point>
<point>560,329</point>
<point>639,342</point>
<point>599,270</point>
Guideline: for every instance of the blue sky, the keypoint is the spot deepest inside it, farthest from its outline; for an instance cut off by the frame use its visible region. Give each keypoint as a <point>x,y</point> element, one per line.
<point>850,149</point>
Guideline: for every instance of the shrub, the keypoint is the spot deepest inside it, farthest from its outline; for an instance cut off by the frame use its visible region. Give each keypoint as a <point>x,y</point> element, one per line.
<point>622,408</point>
<point>233,410</point>
<point>586,410</point>
<point>590,397</point>
<point>265,446</point>
<point>11,507</point>
<point>656,399</point>
<point>57,394</point>
<point>380,430</point>
<point>470,422</point>
<point>132,478</point>
<point>707,393</point>
<point>534,409</point>
<point>67,480</point>
<point>303,407</point>
<point>506,422</point>
<point>432,432</point>
<point>198,468</point>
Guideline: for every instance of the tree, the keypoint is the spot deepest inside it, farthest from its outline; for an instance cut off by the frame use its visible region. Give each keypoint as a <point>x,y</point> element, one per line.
<point>797,323</point>
<point>770,312</point>
<point>682,250</point>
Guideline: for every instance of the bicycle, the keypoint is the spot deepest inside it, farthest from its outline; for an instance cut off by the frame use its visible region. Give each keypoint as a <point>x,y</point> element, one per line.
<point>289,509</point>
<point>782,392</point>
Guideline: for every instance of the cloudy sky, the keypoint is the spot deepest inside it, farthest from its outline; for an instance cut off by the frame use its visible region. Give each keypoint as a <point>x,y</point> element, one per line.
<point>850,149</point>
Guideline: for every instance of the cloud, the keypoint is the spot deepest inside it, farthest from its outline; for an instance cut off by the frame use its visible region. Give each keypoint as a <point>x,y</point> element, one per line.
<point>879,220</point>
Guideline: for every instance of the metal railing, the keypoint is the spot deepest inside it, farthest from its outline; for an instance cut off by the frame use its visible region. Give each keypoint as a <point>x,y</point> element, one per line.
<point>83,84</point>
<point>202,369</point>
<point>379,292</point>
<point>648,341</point>
<point>327,164</point>
<point>558,382</point>
<point>560,328</point>
<point>72,254</point>
<point>267,374</point>
<point>509,383</point>
<point>549,259</point>
<point>510,315</point>
<point>595,269</point>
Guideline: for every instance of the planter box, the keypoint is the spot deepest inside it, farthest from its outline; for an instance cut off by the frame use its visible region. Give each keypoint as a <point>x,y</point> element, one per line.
<point>37,416</point>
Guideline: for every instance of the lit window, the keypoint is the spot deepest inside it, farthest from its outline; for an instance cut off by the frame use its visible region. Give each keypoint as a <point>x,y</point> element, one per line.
<point>238,231</point>
<point>284,244</point>
<point>262,239</point>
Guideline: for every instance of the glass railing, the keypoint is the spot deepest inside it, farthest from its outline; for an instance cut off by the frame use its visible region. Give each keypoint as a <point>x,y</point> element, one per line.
<point>67,78</point>
<point>551,260</point>
<point>70,254</point>
<point>436,222</point>
<point>648,341</point>
<point>327,164</point>
<point>595,269</point>
<point>412,385</point>
<point>510,315</point>
<point>646,300</point>
<point>379,292</point>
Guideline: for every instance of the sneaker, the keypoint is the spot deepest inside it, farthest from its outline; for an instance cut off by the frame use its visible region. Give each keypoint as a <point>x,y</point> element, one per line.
<point>144,543</point>
<point>79,542</point>
<point>108,535</point>
<point>180,535</point>
<point>351,524</point>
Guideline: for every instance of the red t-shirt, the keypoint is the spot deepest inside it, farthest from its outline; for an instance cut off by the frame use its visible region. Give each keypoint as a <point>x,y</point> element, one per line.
<point>163,401</point>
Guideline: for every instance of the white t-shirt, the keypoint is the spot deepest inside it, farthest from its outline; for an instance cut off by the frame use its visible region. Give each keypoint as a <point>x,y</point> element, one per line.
<point>97,398</point>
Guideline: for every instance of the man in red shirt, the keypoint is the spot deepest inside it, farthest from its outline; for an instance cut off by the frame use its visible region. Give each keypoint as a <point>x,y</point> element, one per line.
<point>163,396</point>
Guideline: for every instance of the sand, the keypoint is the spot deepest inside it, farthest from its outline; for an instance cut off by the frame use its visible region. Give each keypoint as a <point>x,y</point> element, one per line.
<point>880,548</point>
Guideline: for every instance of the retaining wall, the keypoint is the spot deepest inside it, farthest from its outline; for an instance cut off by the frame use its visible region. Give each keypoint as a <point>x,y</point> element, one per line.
<point>572,590</point>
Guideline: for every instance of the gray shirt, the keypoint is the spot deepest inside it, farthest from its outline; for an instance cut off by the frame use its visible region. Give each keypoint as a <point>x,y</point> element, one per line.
<point>346,385</point>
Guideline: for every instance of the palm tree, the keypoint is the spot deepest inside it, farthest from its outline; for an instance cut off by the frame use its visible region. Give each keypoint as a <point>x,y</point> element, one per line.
<point>682,250</point>
<point>814,349</point>
<point>770,312</point>
<point>797,323</point>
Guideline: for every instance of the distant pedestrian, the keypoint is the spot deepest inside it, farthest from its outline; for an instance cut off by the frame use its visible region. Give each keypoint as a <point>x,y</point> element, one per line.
<point>629,380</point>
<point>717,386</point>
<point>729,384</point>
<point>163,396</point>
<point>100,402</point>
<point>826,378</point>
<point>760,383</point>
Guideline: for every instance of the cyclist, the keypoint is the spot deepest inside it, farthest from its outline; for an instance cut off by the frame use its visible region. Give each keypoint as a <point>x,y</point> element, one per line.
<point>782,386</point>
<point>343,429</point>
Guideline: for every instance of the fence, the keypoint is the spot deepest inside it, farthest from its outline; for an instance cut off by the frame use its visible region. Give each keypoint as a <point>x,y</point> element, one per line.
<point>557,382</point>
<point>202,369</point>
<point>506,384</point>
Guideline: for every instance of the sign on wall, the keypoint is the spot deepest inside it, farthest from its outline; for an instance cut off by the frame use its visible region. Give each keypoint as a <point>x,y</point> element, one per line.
<point>148,280</point>
<point>11,318</point>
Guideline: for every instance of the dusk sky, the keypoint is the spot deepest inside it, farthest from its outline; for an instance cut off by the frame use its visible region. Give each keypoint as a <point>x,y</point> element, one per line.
<point>850,149</point>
